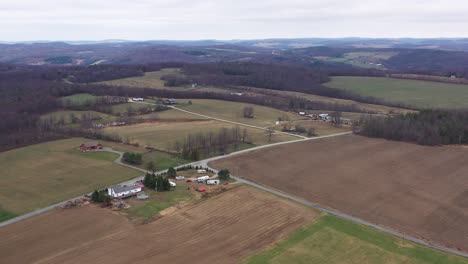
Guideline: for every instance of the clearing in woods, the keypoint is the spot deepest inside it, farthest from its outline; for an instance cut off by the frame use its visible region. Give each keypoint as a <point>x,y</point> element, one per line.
<point>418,190</point>
<point>228,227</point>
<point>78,99</point>
<point>421,94</point>
<point>36,176</point>
<point>163,135</point>
<point>148,80</point>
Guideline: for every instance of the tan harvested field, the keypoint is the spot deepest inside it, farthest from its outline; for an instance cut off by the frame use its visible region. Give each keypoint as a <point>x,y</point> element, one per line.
<point>222,229</point>
<point>418,190</point>
<point>321,128</point>
<point>164,135</point>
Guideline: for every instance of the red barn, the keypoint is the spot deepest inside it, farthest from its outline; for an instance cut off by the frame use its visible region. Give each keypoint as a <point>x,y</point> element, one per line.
<point>88,146</point>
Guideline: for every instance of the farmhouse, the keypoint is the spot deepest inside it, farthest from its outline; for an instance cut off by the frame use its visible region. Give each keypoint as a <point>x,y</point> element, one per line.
<point>119,191</point>
<point>88,146</point>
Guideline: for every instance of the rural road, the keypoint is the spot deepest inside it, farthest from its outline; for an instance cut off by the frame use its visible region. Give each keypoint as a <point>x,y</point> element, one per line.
<point>348,217</point>
<point>119,162</point>
<point>205,162</point>
<point>227,121</point>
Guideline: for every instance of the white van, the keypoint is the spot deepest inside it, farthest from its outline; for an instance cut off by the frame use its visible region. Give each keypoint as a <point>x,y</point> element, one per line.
<point>203,178</point>
<point>201,171</point>
<point>173,184</point>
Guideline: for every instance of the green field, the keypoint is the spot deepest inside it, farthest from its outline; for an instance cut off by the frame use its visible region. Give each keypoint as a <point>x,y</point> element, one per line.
<point>149,80</point>
<point>163,135</point>
<point>335,240</point>
<point>120,109</point>
<point>98,117</point>
<point>233,111</point>
<point>78,99</point>
<point>162,160</point>
<point>36,176</point>
<point>420,94</point>
<point>5,215</point>
<point>158,201</point>
<point>171,114</point>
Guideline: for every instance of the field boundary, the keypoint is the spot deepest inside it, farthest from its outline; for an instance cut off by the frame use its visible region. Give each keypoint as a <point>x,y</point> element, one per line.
<point>264,188</point>
<point>228,121</point>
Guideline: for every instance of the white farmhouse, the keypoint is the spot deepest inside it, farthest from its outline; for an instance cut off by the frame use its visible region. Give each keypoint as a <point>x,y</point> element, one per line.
<point>119,191</point>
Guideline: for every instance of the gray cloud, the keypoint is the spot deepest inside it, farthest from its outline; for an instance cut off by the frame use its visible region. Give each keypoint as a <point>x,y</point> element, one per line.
<point>227,19</point>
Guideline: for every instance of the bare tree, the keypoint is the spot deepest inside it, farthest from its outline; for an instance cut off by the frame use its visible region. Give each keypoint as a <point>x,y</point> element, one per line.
<point>336,118</point>
<point>248,112</point>
<point>269,134</point>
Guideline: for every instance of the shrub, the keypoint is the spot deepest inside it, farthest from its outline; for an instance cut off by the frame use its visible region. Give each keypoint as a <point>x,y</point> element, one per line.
<point>132,158</point>
<point>224,174</point>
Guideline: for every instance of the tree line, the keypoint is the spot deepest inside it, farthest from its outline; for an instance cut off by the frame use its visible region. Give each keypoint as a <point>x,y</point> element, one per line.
<point>427,127</point>
<point>196,145</point>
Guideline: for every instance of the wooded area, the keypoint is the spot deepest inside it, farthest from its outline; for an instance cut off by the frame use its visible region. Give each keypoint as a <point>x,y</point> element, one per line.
<point>428,127</point>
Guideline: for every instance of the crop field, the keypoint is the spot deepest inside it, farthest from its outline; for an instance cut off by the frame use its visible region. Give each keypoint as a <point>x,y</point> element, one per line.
<point>77,99</point>
<point>421,94</point>
<point>149,80</point>
<point>417,190</point>
<point>171,114</point>
<point>370,108</point>
<point>66,115</point>
<point>321,128</point>
<point>233,111</point>
<point>334,240</point>
<point>225,228</point>
<point>163,135</point>
<point>36,176</point>
<point>120,109</point>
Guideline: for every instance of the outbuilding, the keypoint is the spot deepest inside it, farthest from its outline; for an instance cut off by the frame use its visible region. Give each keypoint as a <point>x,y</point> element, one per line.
<point>170,101</point>
<point>212,182</point>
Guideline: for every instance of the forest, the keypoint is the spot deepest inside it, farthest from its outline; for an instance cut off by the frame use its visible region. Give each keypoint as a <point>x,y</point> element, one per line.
<point>427,127</point>
<point>27,92</point>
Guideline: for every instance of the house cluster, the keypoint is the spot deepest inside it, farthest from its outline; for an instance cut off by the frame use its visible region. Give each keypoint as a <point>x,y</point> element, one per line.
<point>90,146</point>
<point>323,117</point>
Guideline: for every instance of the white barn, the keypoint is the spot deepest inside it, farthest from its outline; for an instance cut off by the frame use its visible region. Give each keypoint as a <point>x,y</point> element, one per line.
<point>119,191</point>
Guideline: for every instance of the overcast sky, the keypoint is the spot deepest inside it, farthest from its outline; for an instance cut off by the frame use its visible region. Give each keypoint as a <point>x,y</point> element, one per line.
<point>229,19</point>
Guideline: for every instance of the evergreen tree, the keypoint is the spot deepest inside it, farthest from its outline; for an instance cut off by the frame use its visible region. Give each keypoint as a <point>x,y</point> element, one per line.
<point>224,174</point>
<point>171,173</point>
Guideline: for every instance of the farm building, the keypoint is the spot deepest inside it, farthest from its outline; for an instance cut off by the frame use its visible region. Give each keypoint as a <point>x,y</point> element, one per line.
<point>119,191</point>
<point>88,146</point>
<point>212,182</point>
<point>170,101</point>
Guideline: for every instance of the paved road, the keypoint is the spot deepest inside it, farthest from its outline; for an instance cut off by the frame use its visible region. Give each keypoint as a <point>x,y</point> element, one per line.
<point>351,218</point>
<point>119,162</point>
<point>205,162</point>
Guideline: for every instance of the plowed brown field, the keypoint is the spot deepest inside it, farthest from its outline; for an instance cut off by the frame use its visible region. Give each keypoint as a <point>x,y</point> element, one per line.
<point>221,229</point>
<point>418,190</point>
